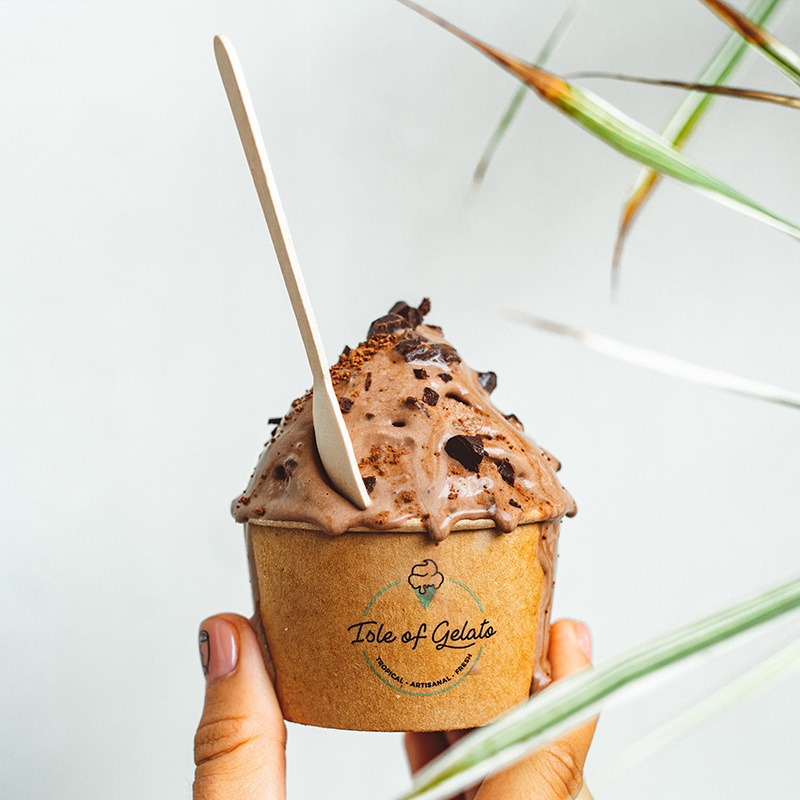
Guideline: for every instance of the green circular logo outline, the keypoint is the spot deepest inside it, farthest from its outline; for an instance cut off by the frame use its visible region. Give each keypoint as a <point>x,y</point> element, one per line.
<point>438,691</point>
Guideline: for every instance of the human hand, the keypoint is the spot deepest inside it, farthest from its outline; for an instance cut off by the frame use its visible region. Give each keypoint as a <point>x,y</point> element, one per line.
<point>240,746</point>
<point>555,771</point>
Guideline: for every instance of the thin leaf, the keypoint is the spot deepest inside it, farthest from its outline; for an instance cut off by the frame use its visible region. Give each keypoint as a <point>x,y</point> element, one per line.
<point>790,101</point>
<point>618,130</point>
<point>572,701</point>
<point>682,123</point>
<point>666,365</point>
<point>770,47</point>
<point>781,665</point>
<point>516,101</point>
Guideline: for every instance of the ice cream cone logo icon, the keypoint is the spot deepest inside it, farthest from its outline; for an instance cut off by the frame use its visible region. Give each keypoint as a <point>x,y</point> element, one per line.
<point>425,579</point>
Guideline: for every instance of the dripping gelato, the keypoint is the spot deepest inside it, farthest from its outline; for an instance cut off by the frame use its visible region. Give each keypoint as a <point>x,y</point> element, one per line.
<point>428,610</point>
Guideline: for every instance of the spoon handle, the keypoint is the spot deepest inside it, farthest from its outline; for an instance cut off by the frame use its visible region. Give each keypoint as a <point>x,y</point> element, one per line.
<point>333,441</point>
<point>250,134</point>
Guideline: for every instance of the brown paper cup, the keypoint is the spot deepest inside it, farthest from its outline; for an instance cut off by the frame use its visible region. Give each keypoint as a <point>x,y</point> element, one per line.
<point>393,632</point>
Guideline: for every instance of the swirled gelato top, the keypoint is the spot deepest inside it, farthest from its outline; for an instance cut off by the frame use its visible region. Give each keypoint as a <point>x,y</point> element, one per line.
<point>432,448</point>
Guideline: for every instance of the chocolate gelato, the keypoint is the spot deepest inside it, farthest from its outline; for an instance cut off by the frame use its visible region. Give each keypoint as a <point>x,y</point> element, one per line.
<point>432,448</point>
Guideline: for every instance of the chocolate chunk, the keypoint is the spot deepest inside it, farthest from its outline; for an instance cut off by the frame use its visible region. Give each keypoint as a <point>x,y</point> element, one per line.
<point>446,376</point>
<point>407,312</point>
<point>417,351</point>
<point>467,450</point>
<point>412,315</point>
<point>488,380</point>
<point>369,483</point>
<point>369,416</point>
<point>274,420</point>
<point>367,381</point>
<point>388,324</point>
<point>429,396</point>
<point>420,374</point>
<point>506,470</point>
<point>512,418</point>
<point>345,352</point>
<point>345,404</point>
<point>412,402</point>
<point>514,503</point>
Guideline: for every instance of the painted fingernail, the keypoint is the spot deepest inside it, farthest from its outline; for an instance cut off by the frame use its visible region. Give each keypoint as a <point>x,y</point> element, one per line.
<point>584,639</point>
<point>219,649</point>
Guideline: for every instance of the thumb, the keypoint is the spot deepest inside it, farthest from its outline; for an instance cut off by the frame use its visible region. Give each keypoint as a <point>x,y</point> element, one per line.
<point>554,772</point>
<point>240,744</point>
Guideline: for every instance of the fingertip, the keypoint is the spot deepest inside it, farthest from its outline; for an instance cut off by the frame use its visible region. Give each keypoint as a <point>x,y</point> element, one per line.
<point>584,637</point>
<point>570,648</point>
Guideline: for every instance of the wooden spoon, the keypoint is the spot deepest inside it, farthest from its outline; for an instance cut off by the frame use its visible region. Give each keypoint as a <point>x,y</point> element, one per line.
<point>333,441</point>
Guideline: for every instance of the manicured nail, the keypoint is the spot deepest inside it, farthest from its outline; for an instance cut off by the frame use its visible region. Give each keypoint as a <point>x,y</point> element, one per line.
<point>584,639</point>
<point>219,649</point>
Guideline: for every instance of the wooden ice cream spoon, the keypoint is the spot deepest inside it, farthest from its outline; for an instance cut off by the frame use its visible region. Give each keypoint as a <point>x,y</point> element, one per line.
<point>333,441</point>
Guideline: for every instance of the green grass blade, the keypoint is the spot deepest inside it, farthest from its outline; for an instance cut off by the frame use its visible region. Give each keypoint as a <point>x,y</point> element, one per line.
<point>618,130</point>
<point>562,26</point>
<point>780,666</point>
<point>666,365</point>
<point>637,142</point>
<point>790,101</point>
<point>771,48</point>
<point>684,120</point>
<point>580,697</point>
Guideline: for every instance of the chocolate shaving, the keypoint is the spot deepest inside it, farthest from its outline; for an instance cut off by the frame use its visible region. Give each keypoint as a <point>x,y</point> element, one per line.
<point>345,404</point>
<point>408,313</point>
<point>367,381</point>
<point>420,374</point>
<point>369,483</point>
<point>401,315</point>
<point>506,470</point>
<point>488,380</point>
<point>274,420</point>
<point>446,376</point>
<point>467,450</point>
<point>388,324</point>
<point>417,351</point>
<point>514,503</point>
<point>429,396</point>
<point>345,352</point>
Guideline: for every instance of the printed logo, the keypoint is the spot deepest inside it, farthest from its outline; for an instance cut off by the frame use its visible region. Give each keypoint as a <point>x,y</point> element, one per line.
<point>426,579</point>
<point>427,645</point>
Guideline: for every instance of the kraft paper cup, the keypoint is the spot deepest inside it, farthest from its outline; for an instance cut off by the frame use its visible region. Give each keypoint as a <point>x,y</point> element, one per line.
<point>392,632</point>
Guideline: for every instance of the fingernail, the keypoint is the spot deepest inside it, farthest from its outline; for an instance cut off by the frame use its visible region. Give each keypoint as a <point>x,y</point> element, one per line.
<point>584,639</point>
<point>219,649</point>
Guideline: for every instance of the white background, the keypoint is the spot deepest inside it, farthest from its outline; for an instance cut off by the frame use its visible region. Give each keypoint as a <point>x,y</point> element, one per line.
<point>147,337</point>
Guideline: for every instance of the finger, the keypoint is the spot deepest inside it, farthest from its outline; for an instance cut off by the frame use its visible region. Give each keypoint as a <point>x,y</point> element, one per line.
<point>555,772</point>
<point>423,747</point>
<point>241,741</point>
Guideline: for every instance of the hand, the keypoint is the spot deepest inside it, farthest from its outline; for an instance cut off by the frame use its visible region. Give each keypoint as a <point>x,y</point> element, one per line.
<point>240,746</point>
<point>554,772</point>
